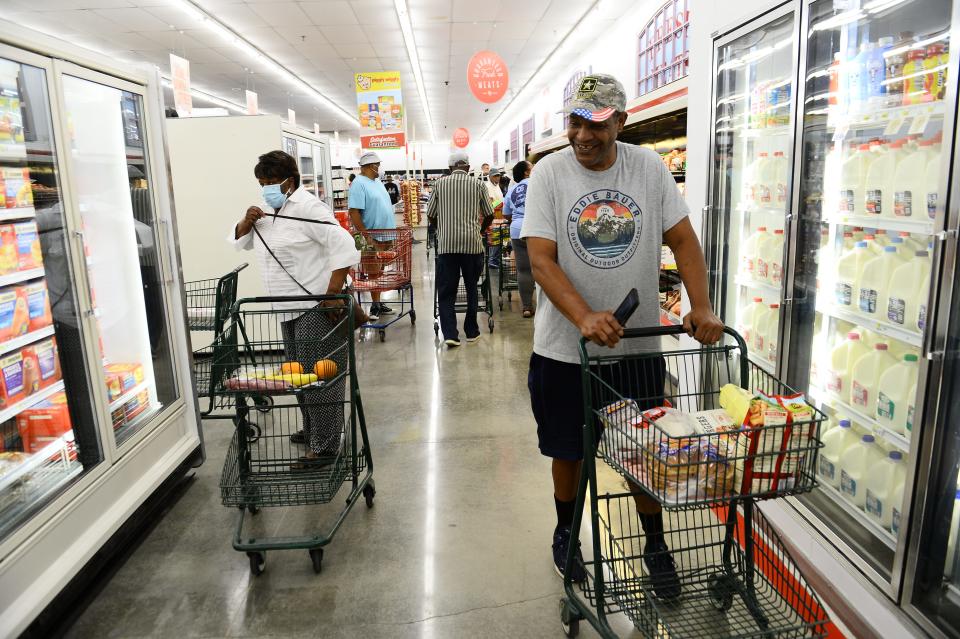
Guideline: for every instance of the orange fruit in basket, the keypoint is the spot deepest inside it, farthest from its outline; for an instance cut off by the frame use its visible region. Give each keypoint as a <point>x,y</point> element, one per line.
<point>291,368</point>
<point>325,368</point>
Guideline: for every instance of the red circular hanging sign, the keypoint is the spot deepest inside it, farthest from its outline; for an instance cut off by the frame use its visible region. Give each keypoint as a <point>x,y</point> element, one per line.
<point>487,76</point>
<point>461,138</point>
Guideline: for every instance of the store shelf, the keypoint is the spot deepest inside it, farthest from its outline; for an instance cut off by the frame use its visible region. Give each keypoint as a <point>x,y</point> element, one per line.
<point>19,213</point>
<point>886,117</point>
<point>769,131</point>
<point>130,394</point>
<point>746,282</point>
<point>923,227</point>
<point>669,319</point>
<point>39,459</point>
<point>862,518</point>
<point>12,152</point>
<point>855,414</point>
<point>750,207</point>
<point>913,338</point>
<point>23,340</point>
<point>32,400</point>
<point>20,276</point>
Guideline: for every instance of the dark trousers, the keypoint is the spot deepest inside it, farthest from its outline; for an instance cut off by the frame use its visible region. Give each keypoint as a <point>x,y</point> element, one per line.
<point>450,268</point>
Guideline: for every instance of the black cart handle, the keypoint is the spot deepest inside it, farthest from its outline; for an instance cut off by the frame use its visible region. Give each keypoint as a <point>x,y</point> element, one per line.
<point>663,331</point>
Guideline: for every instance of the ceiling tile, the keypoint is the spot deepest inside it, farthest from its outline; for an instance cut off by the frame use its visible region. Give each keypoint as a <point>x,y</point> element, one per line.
<point>516,30</point>
<point>303,35</point>
<point>526,10</point>
<point>344,34</point>
<point>329,13</point>
<point>467,47</point>
<point>281,14</point>
<point>174,16</point>
<point>387,51</point>
<point>507,47</point>
<point>132,19</point>
<point>468,10</point>
<point>376,13</point>
<point>471,31</point>
<point>239,16</point>
<point>168,40</point>
<point>349,51</point>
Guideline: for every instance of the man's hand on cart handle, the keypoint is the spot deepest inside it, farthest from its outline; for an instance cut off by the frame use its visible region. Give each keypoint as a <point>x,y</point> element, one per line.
<point>601,328</point>
<point>249,220</point>
<point>703,325</point>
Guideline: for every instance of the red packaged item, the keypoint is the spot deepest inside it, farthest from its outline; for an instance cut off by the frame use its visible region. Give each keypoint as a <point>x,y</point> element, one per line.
<point>31,371</point>
<point>121,378</point>
<point>44,422</point>
<point>8,249</point>
<point>38,305</point>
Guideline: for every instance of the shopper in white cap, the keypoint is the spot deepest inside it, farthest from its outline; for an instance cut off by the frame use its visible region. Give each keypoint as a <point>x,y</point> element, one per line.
<point>370,208</point>
<point>460,209</point>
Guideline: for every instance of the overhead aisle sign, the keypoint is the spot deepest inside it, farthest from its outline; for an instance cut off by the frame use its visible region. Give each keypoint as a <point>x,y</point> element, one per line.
<point>380,109</point>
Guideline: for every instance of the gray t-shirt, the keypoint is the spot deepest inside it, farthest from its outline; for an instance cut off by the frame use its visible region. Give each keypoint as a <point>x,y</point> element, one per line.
<point>608,226</point>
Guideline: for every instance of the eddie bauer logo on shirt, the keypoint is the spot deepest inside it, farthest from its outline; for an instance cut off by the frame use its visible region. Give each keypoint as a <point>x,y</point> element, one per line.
<point>604,228</point>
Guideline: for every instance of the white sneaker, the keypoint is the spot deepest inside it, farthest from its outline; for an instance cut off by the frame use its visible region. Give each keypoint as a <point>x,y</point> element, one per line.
<point>475,338</point>
<point>451,343</point>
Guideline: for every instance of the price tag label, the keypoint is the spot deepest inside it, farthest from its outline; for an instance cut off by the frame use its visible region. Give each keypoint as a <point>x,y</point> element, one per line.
<point>841,132</point>
<point>894,125</point>
<point>919,124</point>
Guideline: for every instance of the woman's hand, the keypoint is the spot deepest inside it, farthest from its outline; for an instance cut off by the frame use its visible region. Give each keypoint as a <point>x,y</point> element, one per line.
<point>249,220</point>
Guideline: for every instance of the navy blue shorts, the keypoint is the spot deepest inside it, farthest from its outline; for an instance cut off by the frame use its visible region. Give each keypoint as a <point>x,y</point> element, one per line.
<point>556,395</point>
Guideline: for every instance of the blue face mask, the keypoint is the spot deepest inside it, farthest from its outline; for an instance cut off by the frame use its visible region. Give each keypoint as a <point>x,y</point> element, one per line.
<point>273,196</point>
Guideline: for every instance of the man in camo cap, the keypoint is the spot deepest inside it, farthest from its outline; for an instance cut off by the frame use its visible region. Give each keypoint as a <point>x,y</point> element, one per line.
<point>596,216</point>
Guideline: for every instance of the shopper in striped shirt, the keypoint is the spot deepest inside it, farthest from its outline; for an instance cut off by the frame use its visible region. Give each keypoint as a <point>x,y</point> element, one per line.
<point>460,210</point>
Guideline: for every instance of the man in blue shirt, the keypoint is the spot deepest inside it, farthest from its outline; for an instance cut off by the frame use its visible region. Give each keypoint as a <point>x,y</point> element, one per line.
<point>370,208</point>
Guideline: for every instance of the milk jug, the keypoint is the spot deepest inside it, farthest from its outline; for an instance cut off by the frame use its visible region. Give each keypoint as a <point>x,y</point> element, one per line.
<point>911,411</point>
<point>751,248</point>
<point>866,375</point>
<point>854,463</point>
<point>746,319</point>
<point>875,279</point>
<point>893,393</point>
<point>849,268</point>
<point>909,181</point>
<point>853,173</point>
<point>769,266</point>
<point>896,504</point>
<point>931,185</point>
<point>879,485</point>
<point>903,298</point>
<point>835,442</point>
<point>762,195</point>
<point>877,192</point>
<point>765,334</point>
<point>780,170</point>
<point>842,359</point>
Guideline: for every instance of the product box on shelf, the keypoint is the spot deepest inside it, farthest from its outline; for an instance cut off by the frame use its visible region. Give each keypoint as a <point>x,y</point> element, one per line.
<point>28,246</point>
<point>31,371</point>
<point>12,387</point>
<point>17,189</point>
<point>48,361</point>
<point>44,422</point>
<point>122,377</point>
<point>11,119</point>
<point>38,304</point>
<point>14,314</point>
<point>8,249</point>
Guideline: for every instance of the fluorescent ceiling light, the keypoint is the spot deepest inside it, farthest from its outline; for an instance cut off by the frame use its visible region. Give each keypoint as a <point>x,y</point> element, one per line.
<point>281,71</point>
<point>403,15</point>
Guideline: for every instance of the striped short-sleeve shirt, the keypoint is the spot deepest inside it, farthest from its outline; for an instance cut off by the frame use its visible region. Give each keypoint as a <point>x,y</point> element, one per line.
<point>458,206</point>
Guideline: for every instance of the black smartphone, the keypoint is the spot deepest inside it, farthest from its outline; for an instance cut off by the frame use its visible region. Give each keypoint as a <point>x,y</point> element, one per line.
<point>627,307</point>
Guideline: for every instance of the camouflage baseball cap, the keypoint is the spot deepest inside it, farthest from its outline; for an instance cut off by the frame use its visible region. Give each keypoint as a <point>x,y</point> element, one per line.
<point>598,97</point>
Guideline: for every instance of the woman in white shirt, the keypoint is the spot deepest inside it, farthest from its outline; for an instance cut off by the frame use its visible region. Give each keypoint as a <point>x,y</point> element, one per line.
<point>308,257</point>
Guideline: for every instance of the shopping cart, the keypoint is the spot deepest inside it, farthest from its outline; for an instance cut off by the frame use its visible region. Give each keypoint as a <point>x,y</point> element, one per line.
<point>385,265</point>
<point>263,468</point>
<point>507,273</point>
<point>484,292</point>
<point>736,576</point>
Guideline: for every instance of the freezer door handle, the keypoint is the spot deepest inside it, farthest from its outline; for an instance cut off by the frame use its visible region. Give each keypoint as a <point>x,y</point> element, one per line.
<point>91,311</point>
<point>167,275</point>
<point>932,351</point>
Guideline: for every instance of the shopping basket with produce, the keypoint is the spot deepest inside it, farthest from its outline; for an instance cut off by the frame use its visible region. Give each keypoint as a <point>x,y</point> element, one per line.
<point>385,265</point>
<point>706,434</point>
<point>484,294</point>
<point>312,440</point>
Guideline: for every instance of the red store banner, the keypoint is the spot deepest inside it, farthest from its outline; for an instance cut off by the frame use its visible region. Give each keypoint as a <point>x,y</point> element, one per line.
<point>488,76</point>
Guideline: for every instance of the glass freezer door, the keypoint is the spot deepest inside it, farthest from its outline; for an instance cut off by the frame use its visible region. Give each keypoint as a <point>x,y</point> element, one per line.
<point>48,428</point>
<point>110,176</point>
<point>751,180</point>
<point>870,200</point>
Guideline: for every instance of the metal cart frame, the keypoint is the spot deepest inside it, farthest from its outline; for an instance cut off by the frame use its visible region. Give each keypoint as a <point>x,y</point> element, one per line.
<point>507,276</point>
<point>734,569</point>
<point>484,286</point>
<point>257,470</point>
<point>382,271</point>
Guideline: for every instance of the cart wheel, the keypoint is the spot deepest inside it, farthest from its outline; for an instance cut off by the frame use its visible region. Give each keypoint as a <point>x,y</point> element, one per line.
<point>413,317</point>
<point>253,432</point>
<point>501,303</point>
<point>490,324</point>
<point>383,335</point>
<point>316,556</point>
<point>263,403</point>
<point>369,492</point>
<point>569,619</point>
<point>257,562</point>
<point>436,328</point>
<point>253,510</point>
<point>721,591</point>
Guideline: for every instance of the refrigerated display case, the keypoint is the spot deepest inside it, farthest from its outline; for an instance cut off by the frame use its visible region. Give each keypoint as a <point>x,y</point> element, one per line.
<point>96,405</point>
<point>313,158</point>
<point>867,245</point>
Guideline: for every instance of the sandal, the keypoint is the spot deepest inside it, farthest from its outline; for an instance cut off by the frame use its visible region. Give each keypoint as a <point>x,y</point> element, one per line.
<point>298,438</point>
<point>311,463</point>
<point>527,313</point>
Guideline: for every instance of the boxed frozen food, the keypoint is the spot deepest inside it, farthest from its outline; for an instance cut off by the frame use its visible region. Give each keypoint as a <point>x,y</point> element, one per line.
<point>29,255</point>
<point>122,377</point>
<point>8,249</point>
<point>137,405</point>
<point>31,371</point>
<point>44,422</point>
<point>11,379</point>
<point>14,313</point>
<point>38,305</point>
<point>48,360</point>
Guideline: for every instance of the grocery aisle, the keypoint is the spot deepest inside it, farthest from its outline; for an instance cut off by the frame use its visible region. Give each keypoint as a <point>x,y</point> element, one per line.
<point>456,545</point>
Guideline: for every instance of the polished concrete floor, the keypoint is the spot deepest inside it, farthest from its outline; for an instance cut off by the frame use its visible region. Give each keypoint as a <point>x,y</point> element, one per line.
<point>456,545</point>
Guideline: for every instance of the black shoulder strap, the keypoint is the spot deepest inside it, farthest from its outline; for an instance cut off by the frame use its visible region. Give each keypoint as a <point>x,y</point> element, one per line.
<point>277,260</point>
